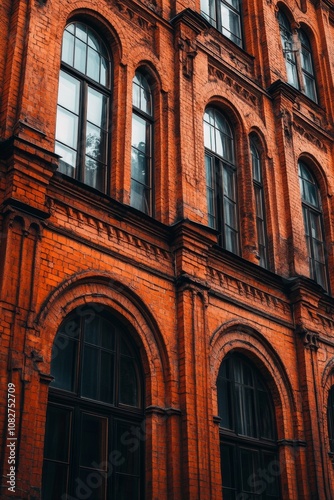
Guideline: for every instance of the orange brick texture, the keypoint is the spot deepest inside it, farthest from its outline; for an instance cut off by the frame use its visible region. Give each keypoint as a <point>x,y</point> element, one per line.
<point>187,302</point>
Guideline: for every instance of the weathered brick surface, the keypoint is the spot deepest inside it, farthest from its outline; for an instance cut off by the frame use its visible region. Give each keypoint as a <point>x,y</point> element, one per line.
<point>187,302</point>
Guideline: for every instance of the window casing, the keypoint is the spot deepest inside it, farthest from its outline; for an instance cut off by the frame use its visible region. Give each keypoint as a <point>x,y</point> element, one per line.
<point>94,412</point>
<point>225,15</point>
<point>259,205</point>
<point>142,144</point>
<point>298,58</point>
<point>330,418</point>
<point>221,179</point>
<point>82,130</point>
<point>248,442</point>
<point>313,225</point>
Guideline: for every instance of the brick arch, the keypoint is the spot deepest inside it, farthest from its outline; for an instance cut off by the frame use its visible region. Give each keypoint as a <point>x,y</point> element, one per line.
<point>244,338</point>
<point>105,290</point>
<point>327,382</point>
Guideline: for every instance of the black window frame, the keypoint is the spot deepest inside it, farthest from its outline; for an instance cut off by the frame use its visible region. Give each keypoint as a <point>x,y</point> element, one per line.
<point>237,440</point>
<point>219,169</point>
<point>101,157</point>
<point>312,211</point>
<point>117,446</point>
<point>214,17</point>
<point>260,205</point>
<point>294,47</point>
<point>148,118</point>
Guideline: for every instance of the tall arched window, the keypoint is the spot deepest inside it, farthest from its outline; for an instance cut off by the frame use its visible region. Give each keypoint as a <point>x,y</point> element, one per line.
<point>248,443</point>
<point>83,106</point>
<point>221,178</point>
<point>259,204</point>
<point>288,49</point>
<point>142,144</point>
<point>330,418</point>
<point>225,15</point>
<point>300,70</point>
<point>308,82</point>
<point>313,224</point>
<point>94,426</point>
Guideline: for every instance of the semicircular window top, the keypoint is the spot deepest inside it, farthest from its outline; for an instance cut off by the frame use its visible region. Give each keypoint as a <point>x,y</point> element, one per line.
<point>94,427</point>
<point>313,225</point>
<point>248,441</point>
<point>84,95</point>
<point>221,175</point>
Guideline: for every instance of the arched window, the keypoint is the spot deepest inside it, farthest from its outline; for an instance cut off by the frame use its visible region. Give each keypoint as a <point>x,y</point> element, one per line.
<point>225,15</point>
<point>330,418</point>
<point>94,426</point>
<point>313,224</point>
<point>259,205</point>
<point>288,49</point>
<point>83,107</point>
<point>142,143</point>
<point>221,178</point>
<point>307,67</point>
<point>248,442</point>
<point>300,71</point>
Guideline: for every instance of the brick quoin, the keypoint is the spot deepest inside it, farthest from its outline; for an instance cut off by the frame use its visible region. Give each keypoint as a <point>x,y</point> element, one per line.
<point>166,278</point>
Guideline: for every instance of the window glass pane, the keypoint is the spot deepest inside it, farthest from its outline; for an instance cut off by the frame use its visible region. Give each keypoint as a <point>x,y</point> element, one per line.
<point>209,11</point>
<point>94,174</point>
<point>139,196</point>
<point>231,24</point>
<point>128,382</point>
<point>129,439</point>
<point>96,108</point>
<point>127,487</point>
<point>80,56</point>
<point>69,92</point>
<point>68,48</point>
<point>81,31</point>
<point>231,240</point>
<point>55,478</point>
<point>67,128</point>
<point>93,442</point>
<point>249,462</point>
<point>142,95</point>
<point>64,354</point>
<point>58,422</point>
<point>107,377</point>
<point>310,87</point>
<point>104,71</point>
<point>227,470</point>
<point>68,159</point>
<point>139,133</point>
<point>90,373</point>
<point>94,142</point>
<point>93,64</point>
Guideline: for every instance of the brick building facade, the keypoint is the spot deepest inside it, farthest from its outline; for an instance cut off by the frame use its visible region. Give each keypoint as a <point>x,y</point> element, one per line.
<point>166,257</point>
